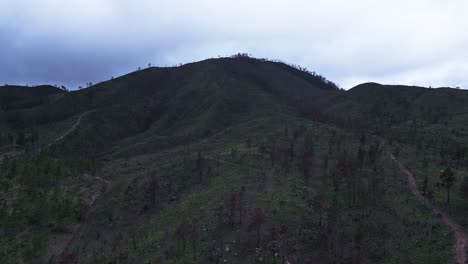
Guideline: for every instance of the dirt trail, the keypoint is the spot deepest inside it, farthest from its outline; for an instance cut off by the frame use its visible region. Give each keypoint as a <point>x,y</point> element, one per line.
<point>59,97</point>
<point>65,254</point>
<point>72,128</point>
<point>460,237</point>
<point>232,163</point>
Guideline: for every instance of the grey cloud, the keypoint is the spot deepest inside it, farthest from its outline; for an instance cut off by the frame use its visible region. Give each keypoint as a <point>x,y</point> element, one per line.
<point>421,42</point>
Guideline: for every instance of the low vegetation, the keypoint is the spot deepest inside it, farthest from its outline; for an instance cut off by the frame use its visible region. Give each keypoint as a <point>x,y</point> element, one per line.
<point>230,160</point>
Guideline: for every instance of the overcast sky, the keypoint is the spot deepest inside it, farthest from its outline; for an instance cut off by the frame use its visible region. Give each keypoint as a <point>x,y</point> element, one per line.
<point>417,42</point>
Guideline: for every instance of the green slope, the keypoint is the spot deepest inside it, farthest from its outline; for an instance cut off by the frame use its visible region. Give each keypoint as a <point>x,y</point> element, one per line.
<point>12,96</point>
<point>235,160</point>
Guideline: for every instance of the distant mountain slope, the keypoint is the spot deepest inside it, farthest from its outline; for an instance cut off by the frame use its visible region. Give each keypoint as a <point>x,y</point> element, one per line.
<point>409,101</point>
<point>21,92</point>
<point>194,100</point>
<point>395,104</point>
<point>14,96</point>
<point>202,98</point>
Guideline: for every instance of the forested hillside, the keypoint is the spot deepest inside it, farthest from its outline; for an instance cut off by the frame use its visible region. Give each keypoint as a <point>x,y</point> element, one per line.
<point>231,160</point>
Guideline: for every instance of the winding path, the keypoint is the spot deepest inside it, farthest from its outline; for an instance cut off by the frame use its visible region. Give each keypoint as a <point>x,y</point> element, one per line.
<point>73,128</point>
<point>65,253</point>
<point>62,257</point>
<point>460,237</point>
<point>68,132</point>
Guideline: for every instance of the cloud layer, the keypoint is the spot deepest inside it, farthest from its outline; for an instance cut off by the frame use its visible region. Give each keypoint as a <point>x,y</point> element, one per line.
<point>419,42</point>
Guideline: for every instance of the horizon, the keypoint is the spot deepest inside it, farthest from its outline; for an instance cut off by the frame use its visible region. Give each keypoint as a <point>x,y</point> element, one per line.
<point>86,85</point>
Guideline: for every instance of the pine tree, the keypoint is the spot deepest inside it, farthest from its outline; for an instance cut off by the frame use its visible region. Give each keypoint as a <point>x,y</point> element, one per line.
<point>447,178</point>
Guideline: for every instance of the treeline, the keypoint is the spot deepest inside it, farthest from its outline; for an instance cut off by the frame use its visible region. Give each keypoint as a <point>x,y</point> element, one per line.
<point>303,72</point>
<point>353,180</point>
<point>37,196</point>
<point>20,137</point>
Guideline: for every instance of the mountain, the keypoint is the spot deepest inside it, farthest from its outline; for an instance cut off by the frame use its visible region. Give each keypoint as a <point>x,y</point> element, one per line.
<point>13,96</point>
<point>236,160</point>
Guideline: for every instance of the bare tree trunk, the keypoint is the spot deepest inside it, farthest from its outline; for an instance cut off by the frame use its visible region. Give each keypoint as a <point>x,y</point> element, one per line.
<point>448,196</point>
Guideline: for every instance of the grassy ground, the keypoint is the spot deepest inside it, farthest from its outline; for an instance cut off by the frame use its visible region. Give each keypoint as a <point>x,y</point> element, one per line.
<point>385,227</point>
<point>429,164</point>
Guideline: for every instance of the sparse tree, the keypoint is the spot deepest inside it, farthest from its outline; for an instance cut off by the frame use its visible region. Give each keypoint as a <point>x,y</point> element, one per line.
<point>361,156</point>
<point>241,203</point>
<point>318,204</point>
<point>257,223</point>
<point>464,188</point>
<point>193,234</point>
<point>306,164</point>
<point>425,187</point>
<point>262,148</point>
<point>447,177</point>
<point>464,192</point>
<point>182,232</point>
<point>396,152</point>
<point>291,151</point>
<point>151,190</point>
<point>232,206</point>
<point>220,215</point>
